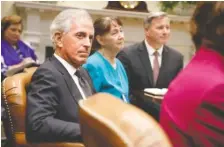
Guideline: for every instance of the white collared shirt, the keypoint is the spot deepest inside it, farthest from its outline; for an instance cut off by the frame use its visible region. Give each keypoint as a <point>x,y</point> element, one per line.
<point>151,50</point>
<point>71,70</point>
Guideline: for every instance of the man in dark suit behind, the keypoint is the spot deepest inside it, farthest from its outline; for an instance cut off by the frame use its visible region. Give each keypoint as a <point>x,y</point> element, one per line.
<point>60,82</point>
<point>150,63</point>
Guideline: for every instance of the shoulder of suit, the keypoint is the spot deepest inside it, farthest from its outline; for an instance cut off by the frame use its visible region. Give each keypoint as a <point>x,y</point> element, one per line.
<point>173,51</point>
<point>132,47</point>
<point>46,71</point>
<point>47,65</point>
<point>51,64</point>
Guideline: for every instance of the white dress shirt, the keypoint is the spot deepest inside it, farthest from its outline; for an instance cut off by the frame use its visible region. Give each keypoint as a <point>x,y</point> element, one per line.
<point>151,50</point>
<point>71,70</point>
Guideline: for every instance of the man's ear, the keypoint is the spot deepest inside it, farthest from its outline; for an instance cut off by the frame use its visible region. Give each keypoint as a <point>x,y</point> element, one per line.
<point>100,39</point>
<point>58,39</point>
<point>147,32</point>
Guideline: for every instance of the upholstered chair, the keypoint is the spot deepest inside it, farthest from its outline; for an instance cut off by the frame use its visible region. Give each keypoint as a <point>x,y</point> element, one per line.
<point>14,99</point>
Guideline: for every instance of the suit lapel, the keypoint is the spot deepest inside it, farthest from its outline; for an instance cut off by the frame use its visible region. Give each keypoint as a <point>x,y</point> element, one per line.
<point>68,79</point>
<point>164,65</point>
<point>144,57</point>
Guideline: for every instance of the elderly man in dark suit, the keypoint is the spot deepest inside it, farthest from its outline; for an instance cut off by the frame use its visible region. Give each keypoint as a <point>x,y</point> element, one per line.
<point>60,82</point>
<point>151,64</point>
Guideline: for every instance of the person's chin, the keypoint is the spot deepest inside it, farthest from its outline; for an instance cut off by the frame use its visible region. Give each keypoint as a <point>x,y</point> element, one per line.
<point>14,41</point>
<point>120,46</point>
<point>83,61</point>
<point>163,41</point>
<point>84,55</point>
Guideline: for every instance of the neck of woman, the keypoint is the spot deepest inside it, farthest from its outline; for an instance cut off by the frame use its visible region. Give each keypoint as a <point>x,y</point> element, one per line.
<point>109,54</point>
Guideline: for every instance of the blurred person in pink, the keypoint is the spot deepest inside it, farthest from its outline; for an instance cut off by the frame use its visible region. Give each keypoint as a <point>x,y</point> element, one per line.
<point>192,111</point>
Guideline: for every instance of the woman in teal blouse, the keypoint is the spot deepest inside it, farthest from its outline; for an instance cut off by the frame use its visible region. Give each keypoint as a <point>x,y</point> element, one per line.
<point>107,72</point>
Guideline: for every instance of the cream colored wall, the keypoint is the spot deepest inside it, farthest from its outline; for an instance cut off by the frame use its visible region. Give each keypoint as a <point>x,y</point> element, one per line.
<point>7,8</point>
<point>152,5</point>
<point>180,38</point>
<point>84,4</point>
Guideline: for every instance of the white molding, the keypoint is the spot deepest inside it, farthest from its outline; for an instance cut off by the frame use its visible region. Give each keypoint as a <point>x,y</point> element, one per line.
<point>105,12</point>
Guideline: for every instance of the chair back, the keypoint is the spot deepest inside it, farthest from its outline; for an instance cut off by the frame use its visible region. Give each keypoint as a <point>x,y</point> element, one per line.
<point>109,122</point>
<point>14,99</point>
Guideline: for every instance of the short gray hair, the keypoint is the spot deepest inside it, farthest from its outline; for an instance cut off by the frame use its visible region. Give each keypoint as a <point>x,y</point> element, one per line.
<point>63,20</point>
<point>151,16</point>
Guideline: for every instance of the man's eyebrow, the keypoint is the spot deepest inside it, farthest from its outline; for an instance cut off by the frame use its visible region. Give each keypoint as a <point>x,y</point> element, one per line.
<point>81,32</point>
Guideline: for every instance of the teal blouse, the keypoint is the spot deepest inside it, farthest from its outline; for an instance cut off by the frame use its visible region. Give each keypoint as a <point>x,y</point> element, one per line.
<point>106,78</point>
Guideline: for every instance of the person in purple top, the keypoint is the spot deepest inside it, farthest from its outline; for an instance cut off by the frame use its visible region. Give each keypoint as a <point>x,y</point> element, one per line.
<point>14,52</point>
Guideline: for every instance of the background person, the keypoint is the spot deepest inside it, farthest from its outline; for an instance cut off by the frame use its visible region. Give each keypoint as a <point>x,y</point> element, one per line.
<point>192,110</point>
<point>150,63</point>
<point>107,72</point>
<point>14,52</point>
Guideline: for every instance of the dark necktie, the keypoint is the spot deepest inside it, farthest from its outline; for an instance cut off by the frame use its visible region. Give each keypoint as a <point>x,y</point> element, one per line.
<point>84,84</point>
<point>155,67</point>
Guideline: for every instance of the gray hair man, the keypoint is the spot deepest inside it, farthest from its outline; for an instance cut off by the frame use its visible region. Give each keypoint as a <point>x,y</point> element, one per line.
<point>151,63</point>
<point>60,82</point>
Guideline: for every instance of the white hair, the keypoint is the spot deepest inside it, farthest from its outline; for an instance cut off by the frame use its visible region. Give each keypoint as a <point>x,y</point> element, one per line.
<point>64,19</point>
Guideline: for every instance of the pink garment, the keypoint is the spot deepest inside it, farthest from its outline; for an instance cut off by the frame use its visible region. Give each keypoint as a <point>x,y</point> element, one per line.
<point>192,112</point>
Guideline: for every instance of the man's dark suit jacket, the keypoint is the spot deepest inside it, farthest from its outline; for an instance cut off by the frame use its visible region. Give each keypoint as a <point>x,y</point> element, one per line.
<point>52,104</point>
<point>135,59</point>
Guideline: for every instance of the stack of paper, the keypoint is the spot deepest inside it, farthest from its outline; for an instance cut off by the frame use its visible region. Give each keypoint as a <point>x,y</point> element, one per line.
<point>155,93</point>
